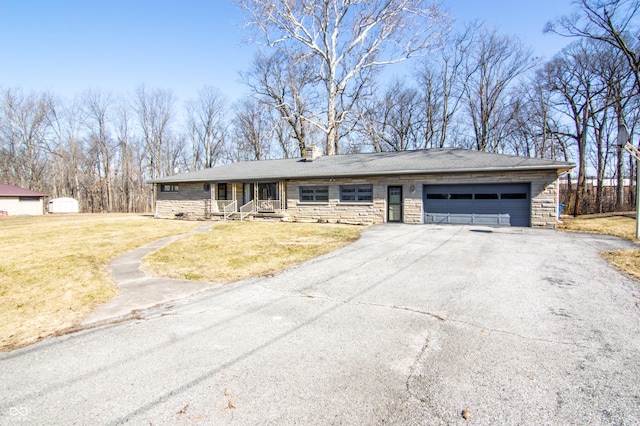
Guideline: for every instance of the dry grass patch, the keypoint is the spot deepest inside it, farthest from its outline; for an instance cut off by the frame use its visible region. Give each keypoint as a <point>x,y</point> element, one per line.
<point>52,268</point>
<point>617,225</point>
<point>238,250</point>
<point>626,260</point>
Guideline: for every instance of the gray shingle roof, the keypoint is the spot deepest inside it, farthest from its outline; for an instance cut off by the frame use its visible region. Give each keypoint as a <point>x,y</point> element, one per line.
<point>445,160</point>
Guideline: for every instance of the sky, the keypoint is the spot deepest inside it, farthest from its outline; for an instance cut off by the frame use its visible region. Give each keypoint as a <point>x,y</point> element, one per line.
<point>69,46</point>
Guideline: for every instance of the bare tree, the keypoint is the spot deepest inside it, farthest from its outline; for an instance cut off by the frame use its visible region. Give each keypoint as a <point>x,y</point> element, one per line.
<point>285,86</point>
<point>574,79</point>
<point>155,112</point>
<point>534,121</point>
<point>206,127</point>
<point>252,130</point>
<point>65,148</point>
<point>613,22</point>
<point>23,132</point>
<point>97,108</point>
<point>493,63</point>
<point>392,123</point>
<point>347,41</point>
<point>440,77</point>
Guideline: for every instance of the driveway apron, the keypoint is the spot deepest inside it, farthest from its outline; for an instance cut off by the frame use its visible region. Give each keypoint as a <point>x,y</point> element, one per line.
<point>408,325</point>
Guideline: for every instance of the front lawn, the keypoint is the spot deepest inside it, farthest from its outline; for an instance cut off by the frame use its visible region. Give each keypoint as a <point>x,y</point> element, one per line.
<point>53,268</point>
<point>233,251</point>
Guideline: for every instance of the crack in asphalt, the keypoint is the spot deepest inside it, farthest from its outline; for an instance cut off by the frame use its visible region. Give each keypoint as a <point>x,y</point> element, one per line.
<point>413,367</point>
<point>439,318</point>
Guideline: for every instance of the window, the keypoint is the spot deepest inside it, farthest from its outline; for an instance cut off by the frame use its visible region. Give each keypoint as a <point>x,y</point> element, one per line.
<point>268,191</point>
<point>317,194</point>
<point>437,196</point>
<point>168,188</point>
<point>514,196</point>
<point>356,193</point>
<point>222,191</point>
<point>460,196</point>
<point>486,196</point>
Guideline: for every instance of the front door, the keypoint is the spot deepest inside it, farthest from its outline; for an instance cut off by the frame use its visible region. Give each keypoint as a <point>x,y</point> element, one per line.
<point>247,193</point>
<point>394,204</point>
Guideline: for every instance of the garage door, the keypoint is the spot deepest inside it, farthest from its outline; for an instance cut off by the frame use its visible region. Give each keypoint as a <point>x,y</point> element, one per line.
<point>495,204</point>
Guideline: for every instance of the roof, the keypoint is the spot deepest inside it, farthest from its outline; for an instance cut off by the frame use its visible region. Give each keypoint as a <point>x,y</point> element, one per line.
<point>444,160</point>
<point>15,191</point>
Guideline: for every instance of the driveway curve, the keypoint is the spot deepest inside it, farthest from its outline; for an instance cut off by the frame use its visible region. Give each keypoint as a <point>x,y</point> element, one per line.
<point>408,325</point>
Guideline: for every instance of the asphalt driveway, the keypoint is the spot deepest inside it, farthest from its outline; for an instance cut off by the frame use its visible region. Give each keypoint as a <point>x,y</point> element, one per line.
<point>409,325</point>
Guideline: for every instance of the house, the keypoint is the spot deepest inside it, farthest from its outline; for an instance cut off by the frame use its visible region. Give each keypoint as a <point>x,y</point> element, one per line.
<point>16,201</point>
<point>424,186</point>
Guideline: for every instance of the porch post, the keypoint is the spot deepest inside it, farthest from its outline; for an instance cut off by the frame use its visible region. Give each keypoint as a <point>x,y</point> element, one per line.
<point>282,195</point>
<point>214,197</point>
<point>234,193</point>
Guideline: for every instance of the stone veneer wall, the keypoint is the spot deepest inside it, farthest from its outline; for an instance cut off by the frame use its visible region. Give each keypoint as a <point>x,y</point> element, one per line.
<point>191,200</point>
<point>544,197</point>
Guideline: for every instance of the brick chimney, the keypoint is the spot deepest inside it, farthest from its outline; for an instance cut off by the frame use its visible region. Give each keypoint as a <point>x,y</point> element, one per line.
<point>313,153</point>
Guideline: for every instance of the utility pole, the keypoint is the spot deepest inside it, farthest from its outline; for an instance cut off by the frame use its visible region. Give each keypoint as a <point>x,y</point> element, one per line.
<point>624,141</point>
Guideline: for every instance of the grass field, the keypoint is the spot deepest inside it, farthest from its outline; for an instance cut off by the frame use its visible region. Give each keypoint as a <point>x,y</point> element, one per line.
<point>236,250</point>
<point>617,225</point>
<point>53,268</point>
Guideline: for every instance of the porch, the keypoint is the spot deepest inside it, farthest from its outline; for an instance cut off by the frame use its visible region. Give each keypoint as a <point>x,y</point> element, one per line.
<point>247,200</point>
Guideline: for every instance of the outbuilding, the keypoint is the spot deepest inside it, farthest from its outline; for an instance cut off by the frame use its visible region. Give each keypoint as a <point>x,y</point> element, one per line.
<point>16,201</point>
<point>446,185</point>
<point>63,205</point>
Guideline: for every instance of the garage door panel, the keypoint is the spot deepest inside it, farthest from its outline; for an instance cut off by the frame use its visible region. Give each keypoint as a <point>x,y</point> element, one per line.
<point>484,204</point>
<point>437,218</point>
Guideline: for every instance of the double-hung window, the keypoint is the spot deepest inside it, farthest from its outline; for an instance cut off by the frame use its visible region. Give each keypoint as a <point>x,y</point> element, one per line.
<point>314,194</point>
<point>356,193</point>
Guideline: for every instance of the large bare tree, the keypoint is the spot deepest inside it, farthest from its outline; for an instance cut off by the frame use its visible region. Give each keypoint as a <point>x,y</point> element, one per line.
<point>97,119</point>
<point>392,122</point>
<point>613,22</point>
<point>284,86</point>
<point>494,62</point>
<point>207,127</point>
<point>347,41</point>
<point>23,129</point>
<point>155,112</point>
<point>440,76</point>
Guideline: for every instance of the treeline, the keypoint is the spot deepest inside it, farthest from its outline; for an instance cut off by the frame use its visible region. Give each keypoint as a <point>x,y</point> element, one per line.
<point>476,89</point>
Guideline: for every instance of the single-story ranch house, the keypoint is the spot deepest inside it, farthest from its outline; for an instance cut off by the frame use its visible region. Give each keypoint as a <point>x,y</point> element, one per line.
<point>16,201</point>
<point>425,186</point>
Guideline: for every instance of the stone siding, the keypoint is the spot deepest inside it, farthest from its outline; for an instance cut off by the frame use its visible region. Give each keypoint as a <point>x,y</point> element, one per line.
<point>193,201</point>
<point>544,197</point>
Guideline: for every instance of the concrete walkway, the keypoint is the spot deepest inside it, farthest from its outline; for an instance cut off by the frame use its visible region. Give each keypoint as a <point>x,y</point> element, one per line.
<point>137,290</point>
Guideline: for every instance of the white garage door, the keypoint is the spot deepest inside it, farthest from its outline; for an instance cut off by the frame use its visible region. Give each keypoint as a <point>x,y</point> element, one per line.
<point>492,204</point>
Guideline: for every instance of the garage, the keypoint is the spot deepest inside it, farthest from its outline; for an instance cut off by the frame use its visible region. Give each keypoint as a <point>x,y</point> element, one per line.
<point>488,204</point>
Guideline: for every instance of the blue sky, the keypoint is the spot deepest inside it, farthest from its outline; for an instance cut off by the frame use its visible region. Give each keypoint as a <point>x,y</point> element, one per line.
<point>68,46</point>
